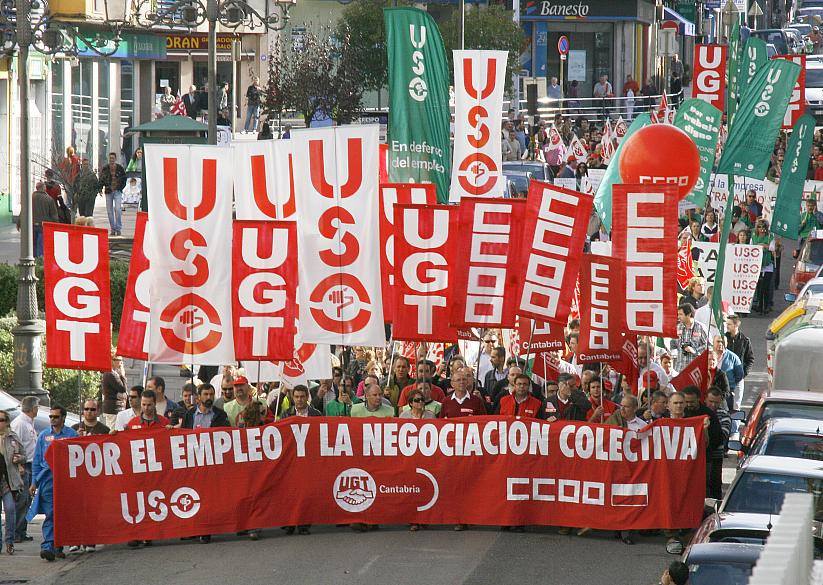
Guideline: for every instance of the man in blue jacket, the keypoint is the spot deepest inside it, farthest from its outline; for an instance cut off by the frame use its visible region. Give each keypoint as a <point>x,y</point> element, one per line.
<point>42,483</point>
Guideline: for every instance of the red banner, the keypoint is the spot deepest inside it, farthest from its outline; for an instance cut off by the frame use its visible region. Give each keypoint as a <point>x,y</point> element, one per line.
<point>601,309</point>
<point>644,217</point>
<point>797,103</point>
<point>558,218</point>
<point>694,374</point>
<point>424,251</point>
<point>391,195</point>
<point>78,300</point>
<point>264,289</point>
<point>628,366</point>
<point>489,259</point>
<point>159,484</point>
<point>133,341</point>
<point>685,265</point>
<point>710,74</point>
<point>538,336</point>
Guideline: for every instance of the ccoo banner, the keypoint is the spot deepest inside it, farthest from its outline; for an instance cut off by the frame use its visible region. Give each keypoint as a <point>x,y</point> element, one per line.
<point>479,79</point>
<point>601,309</point>
<point>78,301</point>
<point>161,484</point>
<point>189,192</point>
<point>337,209</point>
<point>133,341</point>
<point>263,181</point>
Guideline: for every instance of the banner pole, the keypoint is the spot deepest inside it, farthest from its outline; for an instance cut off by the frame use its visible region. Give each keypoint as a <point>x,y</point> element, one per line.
<point>528,352</point>
<point>477,364</point>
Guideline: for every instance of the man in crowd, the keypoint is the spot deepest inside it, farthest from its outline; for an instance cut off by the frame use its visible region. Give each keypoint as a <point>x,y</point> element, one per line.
<point>601,408</point>
<point>461,402</point>
<point>398,379</point>
<point>373,405</point>
<point>158,386</point>
<point>691,338</point>
<point>498,371</point>
<point>741,346</point>
<point>113,179</point>
<point>715,403</point>
<point>504,387</point>
<point>425,371</point>
<point>226,390</point>
<point>729,364</point>
<point>714,433</point>
<point>113,389</point>
<point>657,408</point>
<point>191,101</point>
<point>125,415</point>
<point>23,427</point>
<point>242,397</point>
<point>646,365</point>
<point>43,208</point>
<point>569,403</point>
<point>185,405</point>
<point>149,416</point>
<point>521,402</point>
<point>42,484</point>
<point>810,220</point>
<point>89,424</point>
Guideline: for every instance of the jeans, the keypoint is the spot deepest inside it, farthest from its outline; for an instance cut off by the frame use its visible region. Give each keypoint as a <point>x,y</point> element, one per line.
<point>37,238</point>
<point>7,504</point>
<point>23,503</point>
<point>47,506</point>
<point>252,116</point>
<point>114,207</point>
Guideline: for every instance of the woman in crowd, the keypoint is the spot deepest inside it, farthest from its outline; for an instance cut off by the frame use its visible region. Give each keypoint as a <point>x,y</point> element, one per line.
<point>717,377</point>
<point>694,293</point>
<point>763,293</point>
<point>743,237</point>
<point>12,460</point>
<point>709,231</point>
<point>417,407</point>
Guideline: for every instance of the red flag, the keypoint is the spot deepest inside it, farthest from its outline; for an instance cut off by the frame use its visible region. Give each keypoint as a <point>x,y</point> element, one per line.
<point>601,304</point>
<point>424,252</point>
<point>628,366</point>
<point>685,265</point>
<point>133,341</point>
<point>556,231</point>
<point>534,336</point>
<point>663,110</point>
<point>644,217</point>
<point>695,374</point>
<point>392,194</point>
<point>78,297</point>
<point>489,259</point>
<point>264,285</point>
<point>179,108</point>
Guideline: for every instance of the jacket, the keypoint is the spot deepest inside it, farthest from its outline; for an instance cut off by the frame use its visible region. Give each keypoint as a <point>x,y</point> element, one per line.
<point>577,408</point>
<point>741,346</point>
<point>715,434</point>
<point>721,382</point>
<point>531,407</point>
<point>111,183</point>
<point>220,418</point>
<point>725,428</point>
<point>86,186</point>
<point>292,412</point>
<point>13,448</point>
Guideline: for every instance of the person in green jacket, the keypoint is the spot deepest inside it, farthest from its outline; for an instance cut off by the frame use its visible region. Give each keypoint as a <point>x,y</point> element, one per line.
<point>86,189</point>
<point>341,406</point>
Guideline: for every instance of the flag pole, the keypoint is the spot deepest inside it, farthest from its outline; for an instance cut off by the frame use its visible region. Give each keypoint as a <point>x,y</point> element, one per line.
<point>529,351</point>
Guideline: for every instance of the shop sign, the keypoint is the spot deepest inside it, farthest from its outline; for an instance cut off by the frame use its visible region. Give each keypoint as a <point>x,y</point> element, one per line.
<point>577,10</point>
<point>146,47</point>
<point>198,42</point>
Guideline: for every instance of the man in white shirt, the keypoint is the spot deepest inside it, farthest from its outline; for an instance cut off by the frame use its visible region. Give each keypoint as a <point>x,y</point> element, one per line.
<point>124,416</point>
<point>23,427</point>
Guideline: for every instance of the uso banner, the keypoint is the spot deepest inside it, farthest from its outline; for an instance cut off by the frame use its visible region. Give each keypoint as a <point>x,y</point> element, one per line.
<point>78,301</point>
<point>158,484</point>
<point>645,217</point>
<point>392,194</point>
<point>710,74</point>
<point>189,191</point>
<point>133,341</point>
<point>337,211</point>
<point>264,285</point>
<point>424,252</point>
<point>488,244</point>
<point>479,79</point>
<point>601,309</point>
<point>263,181</point>
<point>558,218</point>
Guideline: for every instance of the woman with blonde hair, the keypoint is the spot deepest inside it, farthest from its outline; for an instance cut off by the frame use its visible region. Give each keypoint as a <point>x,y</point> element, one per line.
<point>11,482</point>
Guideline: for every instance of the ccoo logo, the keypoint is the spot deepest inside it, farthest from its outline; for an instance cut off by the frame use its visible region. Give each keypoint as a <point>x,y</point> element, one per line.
<point>354,490</point>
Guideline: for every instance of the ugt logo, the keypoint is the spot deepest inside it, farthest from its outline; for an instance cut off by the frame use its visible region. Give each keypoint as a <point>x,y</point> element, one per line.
<point>354,490</point>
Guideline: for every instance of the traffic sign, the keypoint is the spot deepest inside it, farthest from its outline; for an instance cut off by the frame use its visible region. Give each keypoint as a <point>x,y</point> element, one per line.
<point>563,45</point>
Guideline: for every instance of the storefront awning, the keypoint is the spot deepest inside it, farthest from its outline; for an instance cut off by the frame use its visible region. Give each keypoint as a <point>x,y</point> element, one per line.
<point>684,26</point>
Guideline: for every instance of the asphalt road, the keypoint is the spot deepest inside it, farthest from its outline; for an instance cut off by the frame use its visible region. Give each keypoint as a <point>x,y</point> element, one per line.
<point>438,555</point>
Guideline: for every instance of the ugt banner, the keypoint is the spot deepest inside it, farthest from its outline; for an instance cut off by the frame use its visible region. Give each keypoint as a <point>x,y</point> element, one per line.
<point>710,74</point>
<point>264,285</point>
<point>645,216</point>
<point>189,192</point>
<point>158,484</point>
<point>419,123</point>
<point>785,219</point>
<point>337,216</point>
<point>701,121</point>
<point>558,218</point>
<point>425,237</point>
<point>601,309</point>
<point>797,104</point>
<point>488,253</point>
<point>479,79</point>
<point>392,194</point>
<point>263,181</point>
<point>78,300</point>
<point>133,340</point>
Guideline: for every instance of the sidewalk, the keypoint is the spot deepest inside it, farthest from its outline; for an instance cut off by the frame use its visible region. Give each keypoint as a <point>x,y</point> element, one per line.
<point>26,566</point>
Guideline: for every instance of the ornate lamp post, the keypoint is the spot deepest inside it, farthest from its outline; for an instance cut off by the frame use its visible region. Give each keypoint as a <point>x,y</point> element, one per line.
<point>25,24</point>
<point>230,13</point>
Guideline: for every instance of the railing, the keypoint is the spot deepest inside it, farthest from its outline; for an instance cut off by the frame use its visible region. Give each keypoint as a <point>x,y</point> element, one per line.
<point>597,109</point>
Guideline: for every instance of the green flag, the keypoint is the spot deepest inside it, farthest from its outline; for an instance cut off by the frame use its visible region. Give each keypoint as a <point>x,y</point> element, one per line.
<point>701,121</point>
<point>751,142</point>
<point>754,58</point>
<point>786,215</point>
<point>419,115</point>
<point>603,197</point>
<point>733,74</point>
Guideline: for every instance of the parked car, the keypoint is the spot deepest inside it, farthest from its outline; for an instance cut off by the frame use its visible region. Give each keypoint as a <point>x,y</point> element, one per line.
<point>785,41</point>
<point>800,438</point>
<point>517,185</point>
<point>804,28</point>
<point>771,51</point>
<point>721,563</point>
<point>810,258</point>
<point>41,422</point>
<point>534,169</point>
<point>812,288</point>
<point>780,404</point>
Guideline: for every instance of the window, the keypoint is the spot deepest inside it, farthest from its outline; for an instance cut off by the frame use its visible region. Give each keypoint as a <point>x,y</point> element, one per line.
<point>762,493</point>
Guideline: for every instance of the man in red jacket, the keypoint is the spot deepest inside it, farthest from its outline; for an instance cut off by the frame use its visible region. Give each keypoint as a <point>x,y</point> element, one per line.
<point>601,407</point>
<point>521,403</point>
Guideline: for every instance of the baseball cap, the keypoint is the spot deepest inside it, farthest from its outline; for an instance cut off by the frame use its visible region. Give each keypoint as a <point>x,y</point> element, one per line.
<point>240,380</point>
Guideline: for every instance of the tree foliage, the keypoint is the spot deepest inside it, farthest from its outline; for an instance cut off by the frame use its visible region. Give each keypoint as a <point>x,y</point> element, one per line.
<point>362,22</point>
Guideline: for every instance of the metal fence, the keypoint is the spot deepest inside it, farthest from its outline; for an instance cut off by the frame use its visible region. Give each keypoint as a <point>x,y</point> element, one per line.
<point>598,109</point>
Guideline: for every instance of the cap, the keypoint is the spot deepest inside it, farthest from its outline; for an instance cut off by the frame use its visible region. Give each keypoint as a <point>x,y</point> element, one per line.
<point>240,380</point>
<point>571,158</point>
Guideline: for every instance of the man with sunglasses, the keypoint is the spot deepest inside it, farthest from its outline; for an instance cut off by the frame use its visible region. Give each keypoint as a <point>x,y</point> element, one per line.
<point>124,416</point>
<point>42,484</point>
<point>90,425</point>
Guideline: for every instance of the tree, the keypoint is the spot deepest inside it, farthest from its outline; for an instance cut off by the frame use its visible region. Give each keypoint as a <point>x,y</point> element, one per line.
<point>490,28</point>
<point>362,20</point>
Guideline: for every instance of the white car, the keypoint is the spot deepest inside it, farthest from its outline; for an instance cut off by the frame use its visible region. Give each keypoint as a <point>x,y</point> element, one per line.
<point>812,288</point>
<point>814,88</point>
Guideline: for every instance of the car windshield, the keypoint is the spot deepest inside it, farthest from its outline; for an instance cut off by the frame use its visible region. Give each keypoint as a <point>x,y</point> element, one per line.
<point>537,171</point>
<point>774,37</point>
<point>814,289</point>
<point>813,253</point>
<point>791,410</point>
<point>723,572</point>
<point>762,493</point>
<point>803,446</point>
<point>814,77</point>
<point>7,402</point>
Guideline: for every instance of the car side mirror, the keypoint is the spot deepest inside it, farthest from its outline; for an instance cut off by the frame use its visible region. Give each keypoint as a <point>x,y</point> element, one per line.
<point>790,298</point>
<point>735,445</point>
<point>738,416</point>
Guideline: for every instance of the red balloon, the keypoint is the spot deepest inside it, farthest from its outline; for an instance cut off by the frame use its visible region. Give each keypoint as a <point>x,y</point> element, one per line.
<point>660,154</point>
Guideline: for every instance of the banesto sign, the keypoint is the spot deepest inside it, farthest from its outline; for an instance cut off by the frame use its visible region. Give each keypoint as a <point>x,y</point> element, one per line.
<point>577,9</point>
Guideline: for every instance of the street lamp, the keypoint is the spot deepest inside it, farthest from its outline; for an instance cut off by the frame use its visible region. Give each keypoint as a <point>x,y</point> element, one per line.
<point>729,17</point>
<point>230,13</point>
<point>22,29</point>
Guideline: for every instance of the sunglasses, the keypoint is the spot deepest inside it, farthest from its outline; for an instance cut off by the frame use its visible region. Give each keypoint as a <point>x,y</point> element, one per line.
<point>417,400</point>
<point>4,420</point>
<point>89,410</point>
<point>134,397</point>
<point>55,416</point>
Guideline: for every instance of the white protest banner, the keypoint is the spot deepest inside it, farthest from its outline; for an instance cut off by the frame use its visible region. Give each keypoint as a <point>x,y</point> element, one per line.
<point>189,234</point>
<point>479,79</point>
<point>765,192</point>
<point>569,183</point>
<point>705,260</point>
<point>338,238</point>
<point>740,276</point>
<point>263,183</point>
